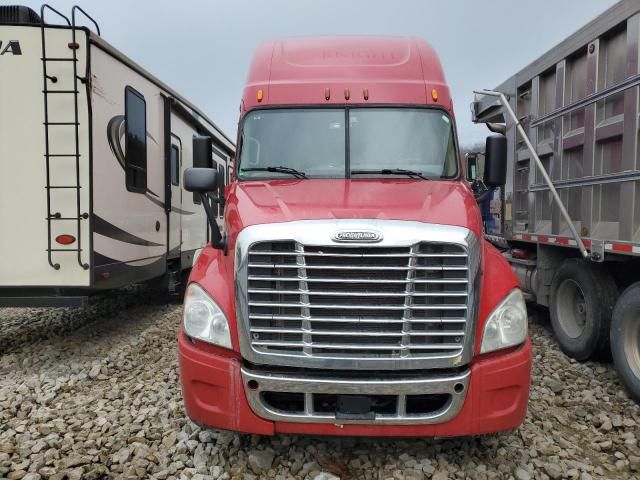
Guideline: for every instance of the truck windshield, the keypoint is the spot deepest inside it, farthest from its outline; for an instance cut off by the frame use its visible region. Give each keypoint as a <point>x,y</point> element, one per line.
<point>382,142</point>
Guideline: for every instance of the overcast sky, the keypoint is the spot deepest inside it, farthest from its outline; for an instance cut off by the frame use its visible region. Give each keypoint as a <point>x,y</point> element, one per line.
<point>203,48</point>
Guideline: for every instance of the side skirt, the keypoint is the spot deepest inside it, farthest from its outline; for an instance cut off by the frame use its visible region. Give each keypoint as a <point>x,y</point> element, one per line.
<point>110,273</point>
<point>42,297</point>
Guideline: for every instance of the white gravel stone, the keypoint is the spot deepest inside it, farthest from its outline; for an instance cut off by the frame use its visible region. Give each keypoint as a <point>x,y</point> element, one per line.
<point>261,460</point>
<point>206,436</point>
<point>325,476</point>
<point>522,474</point>
<point>79,399</point>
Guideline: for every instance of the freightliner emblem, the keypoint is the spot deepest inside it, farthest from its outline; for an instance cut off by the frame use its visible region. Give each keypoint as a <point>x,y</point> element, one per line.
<point>357,236</point>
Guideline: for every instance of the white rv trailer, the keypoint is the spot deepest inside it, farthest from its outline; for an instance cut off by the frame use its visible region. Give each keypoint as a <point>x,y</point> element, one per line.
<point>92,150</point>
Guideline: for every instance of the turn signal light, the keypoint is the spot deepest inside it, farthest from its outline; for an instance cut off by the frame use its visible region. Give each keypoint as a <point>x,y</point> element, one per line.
<point>65,239</point>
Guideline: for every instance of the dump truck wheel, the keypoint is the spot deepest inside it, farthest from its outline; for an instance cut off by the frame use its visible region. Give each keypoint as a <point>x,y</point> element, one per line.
<point>582,299</point>
<point>625,339</point>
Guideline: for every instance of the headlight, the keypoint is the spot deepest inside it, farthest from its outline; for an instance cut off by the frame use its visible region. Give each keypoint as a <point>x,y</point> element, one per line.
<point>507,324</point>
<point>203,319</point>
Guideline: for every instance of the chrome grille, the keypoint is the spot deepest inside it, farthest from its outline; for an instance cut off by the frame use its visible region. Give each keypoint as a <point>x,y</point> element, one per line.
<point>358,302</point>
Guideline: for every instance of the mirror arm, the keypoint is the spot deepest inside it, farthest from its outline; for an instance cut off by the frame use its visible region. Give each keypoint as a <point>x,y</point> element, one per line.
<point>220,200</point>
<point>218,241</point>
<point>480,190</point>
<point>481,196</point>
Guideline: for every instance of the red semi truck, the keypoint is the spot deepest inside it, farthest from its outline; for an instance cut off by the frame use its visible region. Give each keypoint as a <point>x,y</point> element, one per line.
<point>350,291</point>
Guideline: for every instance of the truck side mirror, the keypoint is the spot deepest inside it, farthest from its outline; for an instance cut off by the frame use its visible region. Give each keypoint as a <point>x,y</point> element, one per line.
<point>204,181</point>
<point>200,180</point>
<point>495,161</point>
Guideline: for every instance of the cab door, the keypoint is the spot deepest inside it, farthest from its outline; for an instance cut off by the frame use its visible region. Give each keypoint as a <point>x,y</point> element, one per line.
<point>175,217</point>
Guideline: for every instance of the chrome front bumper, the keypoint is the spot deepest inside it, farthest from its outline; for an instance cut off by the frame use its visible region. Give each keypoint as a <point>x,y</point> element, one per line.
<point>453,387</point>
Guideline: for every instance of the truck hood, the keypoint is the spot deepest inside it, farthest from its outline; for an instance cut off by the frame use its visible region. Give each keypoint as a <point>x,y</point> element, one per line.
<point>275,201</point>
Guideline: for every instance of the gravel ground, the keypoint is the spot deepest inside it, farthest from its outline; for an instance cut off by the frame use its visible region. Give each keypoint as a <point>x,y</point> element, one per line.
<point>95,394</point>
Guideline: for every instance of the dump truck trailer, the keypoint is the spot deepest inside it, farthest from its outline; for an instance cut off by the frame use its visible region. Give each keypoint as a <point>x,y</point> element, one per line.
<point>92,149</point>
<point>569,214</point>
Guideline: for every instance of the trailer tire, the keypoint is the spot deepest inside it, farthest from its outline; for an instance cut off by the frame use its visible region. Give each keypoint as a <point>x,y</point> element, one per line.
<point>625,339</point>
<point>582,298</point>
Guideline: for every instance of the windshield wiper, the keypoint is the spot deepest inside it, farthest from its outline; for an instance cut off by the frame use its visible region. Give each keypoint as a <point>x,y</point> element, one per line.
<point>390,171</point>
<point>290,171</point>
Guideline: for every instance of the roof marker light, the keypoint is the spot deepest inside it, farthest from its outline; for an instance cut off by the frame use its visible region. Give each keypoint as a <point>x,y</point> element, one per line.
<point>260,95</point>
<point>365,93</point>
<point>434,94</point>
<point>327,93</point>
<point>65,239</point>
<point>347,94</point>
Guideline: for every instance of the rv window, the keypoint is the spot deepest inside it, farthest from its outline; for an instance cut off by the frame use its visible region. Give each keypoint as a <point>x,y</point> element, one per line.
<point>175,165</point>
<point>135,113</point>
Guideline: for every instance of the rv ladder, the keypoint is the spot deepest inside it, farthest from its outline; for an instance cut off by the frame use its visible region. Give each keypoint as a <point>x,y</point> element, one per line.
<point>46,91</point>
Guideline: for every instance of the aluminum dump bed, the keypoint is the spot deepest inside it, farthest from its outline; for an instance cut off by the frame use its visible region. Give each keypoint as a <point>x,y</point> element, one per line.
<point>578,104</point>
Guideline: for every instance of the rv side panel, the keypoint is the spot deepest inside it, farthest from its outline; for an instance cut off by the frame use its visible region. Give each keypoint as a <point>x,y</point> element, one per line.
<point>129,220</point>
<point>25,238</point>
<point>188,219</point>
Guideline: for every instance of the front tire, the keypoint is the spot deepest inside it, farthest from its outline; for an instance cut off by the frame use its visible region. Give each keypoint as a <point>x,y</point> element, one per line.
<point>625,339</point>
<point>582,299</point>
